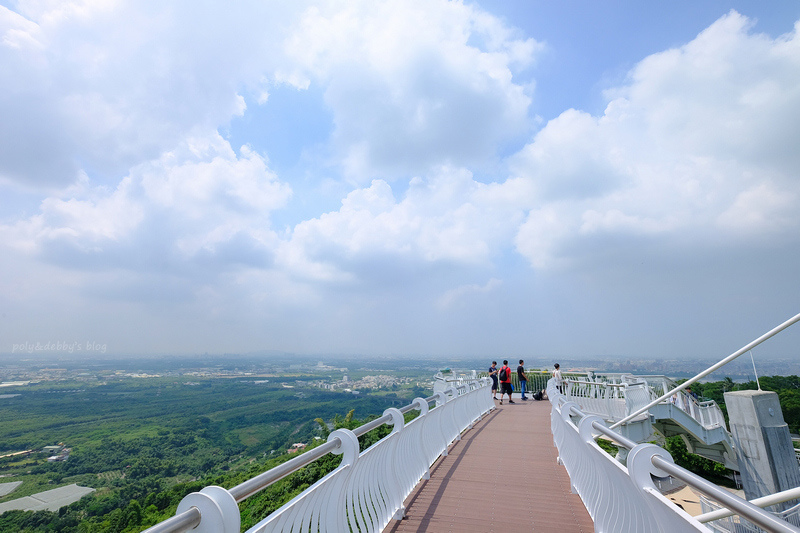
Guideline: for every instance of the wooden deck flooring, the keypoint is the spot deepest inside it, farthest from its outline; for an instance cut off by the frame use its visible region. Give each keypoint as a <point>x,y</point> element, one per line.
<point>501,477</point>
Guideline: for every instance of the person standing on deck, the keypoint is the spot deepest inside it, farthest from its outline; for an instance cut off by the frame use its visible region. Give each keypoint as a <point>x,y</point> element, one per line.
<point>559,378</point>
<point>505,382</point>
<point>493,374</point>
<point>523,380</point>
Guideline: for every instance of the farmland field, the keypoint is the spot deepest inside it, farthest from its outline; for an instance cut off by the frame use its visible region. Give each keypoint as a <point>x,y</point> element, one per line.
<point>142,443</point>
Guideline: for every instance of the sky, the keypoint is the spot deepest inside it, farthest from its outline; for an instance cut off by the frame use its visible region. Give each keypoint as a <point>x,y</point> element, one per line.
<point>385,177</point>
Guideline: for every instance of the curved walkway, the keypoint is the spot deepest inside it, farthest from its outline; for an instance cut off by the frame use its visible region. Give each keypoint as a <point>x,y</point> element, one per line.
<point>502,477</point>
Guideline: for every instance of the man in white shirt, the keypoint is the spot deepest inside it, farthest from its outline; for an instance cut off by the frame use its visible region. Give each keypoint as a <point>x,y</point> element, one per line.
<point>559,379</point>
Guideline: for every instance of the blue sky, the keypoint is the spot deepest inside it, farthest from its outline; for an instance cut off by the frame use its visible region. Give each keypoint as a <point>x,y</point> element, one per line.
<point>565,179</point>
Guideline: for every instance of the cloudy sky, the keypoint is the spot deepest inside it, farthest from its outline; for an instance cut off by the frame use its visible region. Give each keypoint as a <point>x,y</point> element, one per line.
<point>413,177</point>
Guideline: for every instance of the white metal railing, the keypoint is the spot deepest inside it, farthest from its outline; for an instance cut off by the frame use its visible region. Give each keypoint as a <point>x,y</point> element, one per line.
<point>716,366</point>
<point>366,490</point>
<point>625,498</point>
<point>706,412</point>
<point>604,399</point>
<point>617,396</point>
<point>613,401</point>
<point>721,520</point>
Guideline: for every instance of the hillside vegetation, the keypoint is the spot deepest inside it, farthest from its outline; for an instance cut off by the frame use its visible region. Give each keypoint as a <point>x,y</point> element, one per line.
<point>146,443</point>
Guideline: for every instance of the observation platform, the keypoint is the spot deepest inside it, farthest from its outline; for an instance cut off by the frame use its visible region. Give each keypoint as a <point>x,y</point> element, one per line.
<point>502,476</point>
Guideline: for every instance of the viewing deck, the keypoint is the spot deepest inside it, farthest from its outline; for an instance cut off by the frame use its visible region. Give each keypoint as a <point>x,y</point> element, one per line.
<point>502,475</point>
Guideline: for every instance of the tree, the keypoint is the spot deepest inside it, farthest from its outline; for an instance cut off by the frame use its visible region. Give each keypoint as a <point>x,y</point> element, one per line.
<point>133,514</point>
<point>323,427</point>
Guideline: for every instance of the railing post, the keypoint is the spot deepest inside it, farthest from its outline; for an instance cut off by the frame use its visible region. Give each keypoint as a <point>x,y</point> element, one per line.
<point>398,420</point>
<point>455,419</point>
<point>336,510</point>
<point>441,403</point>
<point>219,512</point>
<point>669,516</point>
<point>422,405</point>
<point>441,398</point>
<point>394,471</point>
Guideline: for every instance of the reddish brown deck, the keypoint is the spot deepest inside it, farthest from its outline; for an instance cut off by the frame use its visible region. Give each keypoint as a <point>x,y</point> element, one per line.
<point>501,477</point>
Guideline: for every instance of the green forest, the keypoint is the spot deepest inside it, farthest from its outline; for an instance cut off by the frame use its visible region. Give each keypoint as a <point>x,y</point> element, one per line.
<point>144,444</point>
<point>787,387</point>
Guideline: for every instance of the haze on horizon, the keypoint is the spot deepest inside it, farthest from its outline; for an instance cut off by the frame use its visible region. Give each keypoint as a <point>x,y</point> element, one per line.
<point>400,177</point>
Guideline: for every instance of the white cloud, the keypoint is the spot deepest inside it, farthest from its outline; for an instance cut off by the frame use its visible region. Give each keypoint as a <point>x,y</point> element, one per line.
<point>413,84</point>
<point>201,198</point>
<point>452,296</point>
<point>18,32</point>
<point>115,115</point>
<point>760,210</point>
<point>699,143</point>
<point>107,85</point>
<point>448,217</point>
<point>111,112</point>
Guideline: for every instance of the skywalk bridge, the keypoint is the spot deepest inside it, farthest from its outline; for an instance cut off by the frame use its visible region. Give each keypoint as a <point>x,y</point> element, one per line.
<point>614,397</point>
<point>444,471</point>
<point>466,464</point>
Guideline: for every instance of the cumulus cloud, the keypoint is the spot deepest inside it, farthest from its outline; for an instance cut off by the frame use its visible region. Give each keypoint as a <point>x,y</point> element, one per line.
<point>412,84</point>
<point>197,201</point>
<point>112,113</point>
<point>123,135</point>
<point>452,296</point>
<point>86,87</point>
<point>699,142</point>
<point>445,218</point>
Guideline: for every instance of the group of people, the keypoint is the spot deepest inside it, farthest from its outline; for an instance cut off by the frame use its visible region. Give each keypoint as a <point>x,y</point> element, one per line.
<point>502,377</point>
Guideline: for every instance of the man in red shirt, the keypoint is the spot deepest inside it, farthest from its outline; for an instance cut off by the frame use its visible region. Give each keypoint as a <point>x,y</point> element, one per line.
<point>505,382</point>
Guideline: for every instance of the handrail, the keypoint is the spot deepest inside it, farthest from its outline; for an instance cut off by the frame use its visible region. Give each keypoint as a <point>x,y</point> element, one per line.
<point>625,441</point>
<point>180,522</point>
<point>604,384</point>
<point>191,517</point>
<point>369,426</point>
<point>613,435</point>
<point>739,506</point>
<point>711,369</point>
<point>254,485</point>
<point>764,501</point>
<point>246,489</point>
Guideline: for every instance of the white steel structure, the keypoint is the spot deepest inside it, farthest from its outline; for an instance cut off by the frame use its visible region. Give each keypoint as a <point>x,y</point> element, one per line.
<point>367,490</point>
<point>614,397</point>
<point>625,497</point>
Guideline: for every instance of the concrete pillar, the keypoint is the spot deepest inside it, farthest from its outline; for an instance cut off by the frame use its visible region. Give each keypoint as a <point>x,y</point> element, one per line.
<point>763,446</point>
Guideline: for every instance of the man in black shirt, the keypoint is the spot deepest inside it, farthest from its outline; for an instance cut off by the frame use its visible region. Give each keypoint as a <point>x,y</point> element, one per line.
<point>493,374</point>
<point>523,380</point>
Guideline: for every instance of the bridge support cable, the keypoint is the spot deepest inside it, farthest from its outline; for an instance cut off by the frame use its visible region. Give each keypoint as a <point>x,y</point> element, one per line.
<point>710,369</point>
<point>764,501</point>
<point>736,505</point>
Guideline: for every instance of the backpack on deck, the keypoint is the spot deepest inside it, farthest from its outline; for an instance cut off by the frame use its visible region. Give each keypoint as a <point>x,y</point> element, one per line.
<point>537,395</point>
<point>503,374</point>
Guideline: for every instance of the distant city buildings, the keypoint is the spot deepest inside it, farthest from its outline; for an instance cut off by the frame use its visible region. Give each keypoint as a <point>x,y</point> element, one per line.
<point>379,382</point>
<point>16,374</point>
